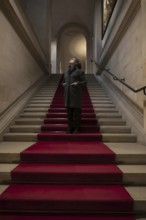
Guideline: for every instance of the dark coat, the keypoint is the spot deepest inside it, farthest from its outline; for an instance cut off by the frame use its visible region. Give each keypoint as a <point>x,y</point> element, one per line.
<point>73,94</point>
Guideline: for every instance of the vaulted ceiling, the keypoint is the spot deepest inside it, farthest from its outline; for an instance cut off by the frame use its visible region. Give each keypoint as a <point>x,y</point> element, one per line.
<point>72,12</point>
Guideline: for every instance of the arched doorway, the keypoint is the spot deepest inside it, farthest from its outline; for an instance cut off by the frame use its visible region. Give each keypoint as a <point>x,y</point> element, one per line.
<point>72,41</point>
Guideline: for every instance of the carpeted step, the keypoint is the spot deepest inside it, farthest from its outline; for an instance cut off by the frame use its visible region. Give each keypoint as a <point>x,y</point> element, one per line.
<point>130,175</point>
<point>63,127</point>
<point>84,121</point>
<point>68,152</point>
<point>84,110</point>
<point>48,136</point>
<point>62,105</point>
<point>54,115</point>
<point>67,173</point>
<point>59,127</point>
<point>79,162</point>
<point>49,128</point>
<point>61,136</point>
<point>64,115</point>
<point>33,216</point>
<point>66,198</point>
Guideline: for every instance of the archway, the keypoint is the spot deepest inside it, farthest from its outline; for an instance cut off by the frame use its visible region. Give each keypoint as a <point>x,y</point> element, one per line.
<point>72,41</point>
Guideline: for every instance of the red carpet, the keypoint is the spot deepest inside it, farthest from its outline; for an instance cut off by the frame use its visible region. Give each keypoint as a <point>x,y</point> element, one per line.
<point>43,217</point>
<point>71,173</point>
<point>67,175</point>
<point>66,198</point>
<point>68,152</point>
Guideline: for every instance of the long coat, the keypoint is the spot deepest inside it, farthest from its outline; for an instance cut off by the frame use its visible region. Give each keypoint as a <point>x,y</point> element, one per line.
<point>72,93</point>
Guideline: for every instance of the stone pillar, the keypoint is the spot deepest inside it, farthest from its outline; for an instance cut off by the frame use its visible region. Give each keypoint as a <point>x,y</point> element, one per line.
<point>143,7</point>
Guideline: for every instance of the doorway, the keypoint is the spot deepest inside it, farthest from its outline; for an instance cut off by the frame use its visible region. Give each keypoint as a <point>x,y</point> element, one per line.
<point>72,44</point>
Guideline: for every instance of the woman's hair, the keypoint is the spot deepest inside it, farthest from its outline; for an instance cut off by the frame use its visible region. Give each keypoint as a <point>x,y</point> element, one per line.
<point>78,62</point>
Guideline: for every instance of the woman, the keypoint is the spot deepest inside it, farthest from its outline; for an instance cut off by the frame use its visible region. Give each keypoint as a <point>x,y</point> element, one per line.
<point>73,81</point>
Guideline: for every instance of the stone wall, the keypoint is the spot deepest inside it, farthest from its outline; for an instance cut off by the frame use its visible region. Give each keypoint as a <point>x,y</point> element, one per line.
<point>20,65</point>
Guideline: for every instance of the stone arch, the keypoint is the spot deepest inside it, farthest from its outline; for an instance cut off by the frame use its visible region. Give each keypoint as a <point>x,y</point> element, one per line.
<point>79,33</point>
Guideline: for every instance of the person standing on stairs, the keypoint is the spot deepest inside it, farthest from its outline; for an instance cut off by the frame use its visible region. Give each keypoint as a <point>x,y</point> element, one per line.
<point>73,81</point>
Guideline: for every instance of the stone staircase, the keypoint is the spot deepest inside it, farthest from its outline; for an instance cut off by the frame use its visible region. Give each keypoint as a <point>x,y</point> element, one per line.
<point>130,155</point>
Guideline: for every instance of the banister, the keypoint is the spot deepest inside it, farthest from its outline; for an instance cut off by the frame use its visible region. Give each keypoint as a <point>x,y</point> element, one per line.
<point>120,80</point>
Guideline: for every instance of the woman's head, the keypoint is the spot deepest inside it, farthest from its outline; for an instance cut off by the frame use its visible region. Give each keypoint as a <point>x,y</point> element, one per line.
<point>75,62</point>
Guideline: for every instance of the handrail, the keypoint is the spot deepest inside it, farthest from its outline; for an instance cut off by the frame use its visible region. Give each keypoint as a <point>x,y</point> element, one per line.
<point>121,80</point>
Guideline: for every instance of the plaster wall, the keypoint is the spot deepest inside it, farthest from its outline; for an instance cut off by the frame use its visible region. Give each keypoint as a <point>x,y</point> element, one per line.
<point>18,69</point>
<point>126,62</point>
<point>39,15</point>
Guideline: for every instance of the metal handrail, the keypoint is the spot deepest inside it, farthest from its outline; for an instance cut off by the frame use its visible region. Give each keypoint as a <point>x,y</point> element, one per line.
<point>120,80</point>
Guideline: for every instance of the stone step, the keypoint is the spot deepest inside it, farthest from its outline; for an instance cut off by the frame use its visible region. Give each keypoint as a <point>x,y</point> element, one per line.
<point>125,153</point>
<point>108,115</point>
<point>40,101</point>
<point>111,121</point>
<point>45,93</point>
<point>107,110</point>
<point>37,98</point>
<point>29,137</point>
<point>36,110</point>
<point>102,105</point>
<point>49,94</point>
<point>48,101</point>
<point>132,174</point>
<point>98,95</point>
<point>37,129</point>
<point>45,109</point>
<point>39,121</point>
<point>106,137</point>
<point>43,115</point>
<point>137,193</point>
<point>94,99</point>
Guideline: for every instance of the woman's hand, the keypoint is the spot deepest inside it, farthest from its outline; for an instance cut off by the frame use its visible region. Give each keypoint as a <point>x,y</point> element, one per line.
<point>74,84</point>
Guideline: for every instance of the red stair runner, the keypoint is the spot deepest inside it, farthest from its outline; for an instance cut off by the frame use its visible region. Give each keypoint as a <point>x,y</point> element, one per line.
<point>67,174</point>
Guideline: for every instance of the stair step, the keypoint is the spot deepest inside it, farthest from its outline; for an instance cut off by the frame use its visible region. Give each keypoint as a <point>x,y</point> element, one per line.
<point>108,115</point>
<point>39,121</point>
<point>48,105</point>
<point>70,198</point>
<point>40,101</point>
<point>37,128</point>
<point>73,137</point>
<point>43,216</point>
<point>35,109</point>
<point>115,129</point>
<point>125,153</point>
<point>111,121</point>
<point>119,138</point>
<point>97,110</point>
<point>54,115</point>
<point>66,198</point>
<point>28,137</point>
<point>74,173</point>
<point>64,115</point>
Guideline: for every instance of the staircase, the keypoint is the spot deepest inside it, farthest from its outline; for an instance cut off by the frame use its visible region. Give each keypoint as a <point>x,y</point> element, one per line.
<point>86,171</point>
